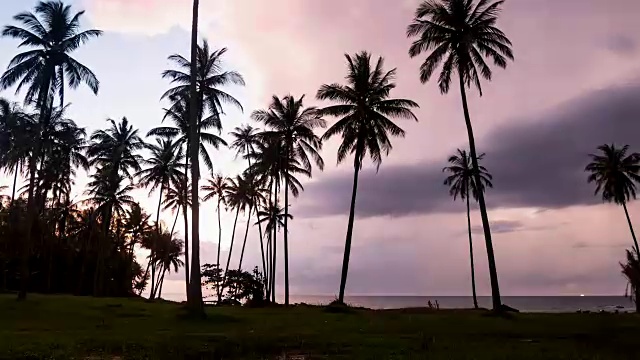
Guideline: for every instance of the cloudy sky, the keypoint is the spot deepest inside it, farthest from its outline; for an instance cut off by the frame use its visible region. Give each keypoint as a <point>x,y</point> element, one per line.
<point>574,85</point>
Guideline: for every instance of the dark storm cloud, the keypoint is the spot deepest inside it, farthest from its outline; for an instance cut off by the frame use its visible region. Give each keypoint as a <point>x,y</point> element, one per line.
<point>536,163</point>
<point>621,44</point>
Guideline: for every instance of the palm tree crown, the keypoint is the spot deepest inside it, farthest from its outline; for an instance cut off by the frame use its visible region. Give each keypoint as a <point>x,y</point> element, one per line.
<point>461,180</point>
<point>116,148</point>
<point>165,165</point>
<point>461,33</point>
<point>53,32</point>
<point>364,109</point>
<point>615,173</point>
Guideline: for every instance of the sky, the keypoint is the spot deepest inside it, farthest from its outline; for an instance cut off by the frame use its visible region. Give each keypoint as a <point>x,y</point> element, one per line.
<point>574,85</point>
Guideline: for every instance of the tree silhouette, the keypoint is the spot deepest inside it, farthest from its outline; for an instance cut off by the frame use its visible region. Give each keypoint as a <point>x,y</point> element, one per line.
<point>631,270</point>
<point>462,33</point>
<point>462,183</point>
<point>363,108</point>
<point>164,169</point>
<point>52,31</point>
<point>217,188</point>
<point>293,124</point>
<point>615,172</point>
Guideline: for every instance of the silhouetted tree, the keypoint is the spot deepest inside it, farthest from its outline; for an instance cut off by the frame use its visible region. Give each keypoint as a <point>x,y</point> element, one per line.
<point>631,270</point>
<point>462,183</point>
<point>460,34</point>
<point>615,173</point>
<point>363,108</point>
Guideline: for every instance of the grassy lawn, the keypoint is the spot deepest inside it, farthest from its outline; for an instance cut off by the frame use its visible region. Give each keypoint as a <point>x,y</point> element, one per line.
<point>61,327</point>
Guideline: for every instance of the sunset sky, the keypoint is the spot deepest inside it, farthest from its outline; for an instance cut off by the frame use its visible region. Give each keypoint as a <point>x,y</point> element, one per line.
<point>574,84</point>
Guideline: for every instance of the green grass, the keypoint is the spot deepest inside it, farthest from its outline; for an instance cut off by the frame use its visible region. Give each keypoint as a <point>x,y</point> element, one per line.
<point>61,327</point>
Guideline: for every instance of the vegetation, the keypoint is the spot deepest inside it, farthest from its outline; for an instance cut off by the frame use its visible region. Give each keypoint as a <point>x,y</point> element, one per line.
<point>463,33</point>
<point>461,182</point>
<point>134,329</point>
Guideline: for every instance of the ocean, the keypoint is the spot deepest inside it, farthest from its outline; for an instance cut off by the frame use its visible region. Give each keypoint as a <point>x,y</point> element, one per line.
<point>522,303</point>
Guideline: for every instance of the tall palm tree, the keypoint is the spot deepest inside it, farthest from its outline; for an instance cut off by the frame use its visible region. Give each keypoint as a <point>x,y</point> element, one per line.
<point>615,172</point>
<point>631,270</point>
<point>52,32</point>
<point>194,298</point>
<point>462,33</point>
<point>247,139</point>
<point>461,182</point>
<point>164,169</point>
<point>364,109</point>
<point>217,188</point>
<point>255,198</point>
<point>289,121</point>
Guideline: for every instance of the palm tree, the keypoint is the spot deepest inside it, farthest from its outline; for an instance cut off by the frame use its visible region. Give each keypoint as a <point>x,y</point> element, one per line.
<point>631,270</point>
<point>461,182</point>
<point>115,152</point>
<point>274,216</point>
<point>293,124</point>
<point>254,195</point>
<point>463,33</point>
<point>615,173</point>
<point>176,198</point>
<point>247,139</point>
<point>52,32</point>
<point>17,129</point>
<point>168,256</point>
<point>363,108</point>
<point>238,197</point>
<point>194,298</point>
<point>164,169</point>
<point>217,188</point>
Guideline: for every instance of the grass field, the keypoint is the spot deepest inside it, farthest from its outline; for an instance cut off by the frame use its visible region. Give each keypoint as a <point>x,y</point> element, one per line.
<point>61,327</point>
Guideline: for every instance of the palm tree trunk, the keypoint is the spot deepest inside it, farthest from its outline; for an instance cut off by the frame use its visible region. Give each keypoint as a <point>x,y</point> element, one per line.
<point>196,305</point>
<point>493,272</point>
<point>275,248</point>
<point>633,234</point>
<point>347,245</point>
<point>145,275</point>
<point>154,291</point>
<point>264,265</point>
<point>233,236</point>
<point>246,233</point>
<point>161,283</point>
<point>186,221</point>
<point>15,181</point>
<point>473,271</point>
<point>153,243</point>
<point>218,290</point>
<point>286,237</point>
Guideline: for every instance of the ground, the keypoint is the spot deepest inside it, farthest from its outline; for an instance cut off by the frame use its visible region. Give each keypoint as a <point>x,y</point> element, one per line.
<point>64,327</point>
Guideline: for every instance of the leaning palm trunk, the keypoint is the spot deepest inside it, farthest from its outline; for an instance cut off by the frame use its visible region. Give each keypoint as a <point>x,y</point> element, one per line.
<point>195,303</point>
<point>347,245</point>
<point>15,181</point>
<point>218,290</point>
<point>473,271</point>
<point>153,244</point>
<point>633,234</point>
<point>493,273</point>
<point>286,237</point>
<point>246,233</point>
<point>233,236</point>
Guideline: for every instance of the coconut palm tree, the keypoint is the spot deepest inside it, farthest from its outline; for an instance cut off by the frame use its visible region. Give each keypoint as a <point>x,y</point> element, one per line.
<point>273,215</point>
<point>168,256</point>
<point>615,172</point>
<point>289,121</point>
<point>461,34</point>
<point>247,139</point>
<point>461,182</point>
<point>52,32</point>
<point>631,270</point>
<point>217,188</point>
<point>17,129</point>
<point>164,170</point>
<point>364,109</point>
<point>255,198</point>
<point>176,198</point>
<point>194,297</point>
